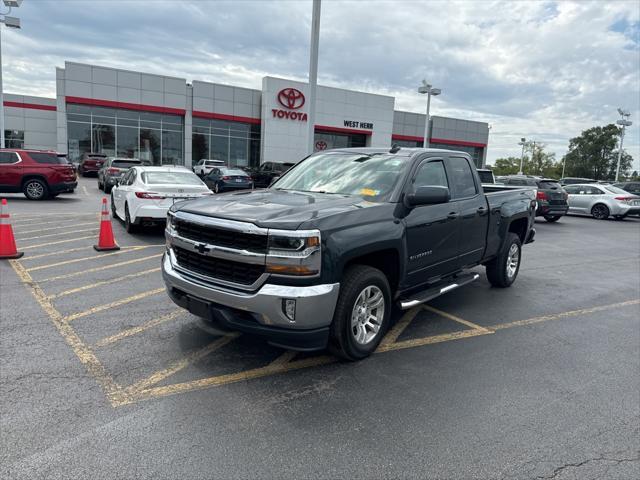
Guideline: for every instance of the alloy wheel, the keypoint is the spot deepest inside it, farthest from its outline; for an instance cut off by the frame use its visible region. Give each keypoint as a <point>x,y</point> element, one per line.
<point>367,315</point>
<point>513,260</point>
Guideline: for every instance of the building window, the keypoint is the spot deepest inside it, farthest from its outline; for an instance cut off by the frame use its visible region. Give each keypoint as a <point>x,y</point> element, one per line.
<point>326,140</point>
<point>476,153</point>
<point>149,136</point>
<point>236,143</point>
<point>407,143</point>
<point>14,138</point>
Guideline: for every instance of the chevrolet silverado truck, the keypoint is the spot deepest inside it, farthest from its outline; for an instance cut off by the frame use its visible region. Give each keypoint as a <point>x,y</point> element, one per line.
<point>320,257</point>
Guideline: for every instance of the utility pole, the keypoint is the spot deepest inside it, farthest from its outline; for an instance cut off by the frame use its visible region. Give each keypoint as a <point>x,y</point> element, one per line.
<point>623,123</point>
<point>523,142</point>
<point>313,73</point>
<point>429,90</point>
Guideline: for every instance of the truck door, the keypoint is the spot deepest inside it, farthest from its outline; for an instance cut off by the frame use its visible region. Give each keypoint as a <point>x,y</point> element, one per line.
<point>10,172</point>
<point>472,207</point>
<point>431,230</point>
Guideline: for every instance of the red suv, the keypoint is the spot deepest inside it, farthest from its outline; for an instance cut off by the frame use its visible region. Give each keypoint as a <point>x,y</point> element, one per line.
<point>91,162</point>
<point>39,174</point>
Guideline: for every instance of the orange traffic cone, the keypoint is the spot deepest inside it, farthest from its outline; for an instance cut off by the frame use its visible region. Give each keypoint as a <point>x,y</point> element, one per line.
<point>106,241</point>
<point>7,242</point>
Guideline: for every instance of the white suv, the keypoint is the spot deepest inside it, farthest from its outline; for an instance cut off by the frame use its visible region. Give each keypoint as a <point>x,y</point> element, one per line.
<point>204,166</point>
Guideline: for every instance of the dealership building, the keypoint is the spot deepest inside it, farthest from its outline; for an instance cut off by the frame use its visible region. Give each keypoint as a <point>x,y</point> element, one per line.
<point>168,120</point>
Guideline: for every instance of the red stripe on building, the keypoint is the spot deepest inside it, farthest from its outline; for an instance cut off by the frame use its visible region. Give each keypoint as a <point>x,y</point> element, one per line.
<point>323,128</point>
<point>127,106</point>
<point>408,138</point>
<point>223,116</point>
<point>457,142</point>
<point>33,106</point>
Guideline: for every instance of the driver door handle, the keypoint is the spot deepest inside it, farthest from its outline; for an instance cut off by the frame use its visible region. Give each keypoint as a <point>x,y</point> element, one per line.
<point>452,215</point>
<point>481,210</point>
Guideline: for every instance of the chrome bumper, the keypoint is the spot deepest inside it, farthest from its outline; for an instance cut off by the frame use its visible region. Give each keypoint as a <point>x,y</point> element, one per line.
<point>314,304</point>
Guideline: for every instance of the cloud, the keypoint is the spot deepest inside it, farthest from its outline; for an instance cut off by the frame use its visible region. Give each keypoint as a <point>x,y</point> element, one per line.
<point>542,70</point>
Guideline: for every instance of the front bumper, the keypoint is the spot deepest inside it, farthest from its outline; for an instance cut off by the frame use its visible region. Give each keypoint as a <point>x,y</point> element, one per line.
<point>63,187</point>
<point>259,313</point>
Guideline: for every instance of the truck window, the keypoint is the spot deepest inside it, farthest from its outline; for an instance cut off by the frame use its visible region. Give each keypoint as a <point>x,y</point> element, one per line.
<point>461,177</point>
<point>431,174</point>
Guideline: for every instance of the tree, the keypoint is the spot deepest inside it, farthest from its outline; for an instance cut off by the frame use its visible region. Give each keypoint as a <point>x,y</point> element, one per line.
<point>593,155</point>
<point>506,166</point>
<point>625,165</point>
<point>541,163</point>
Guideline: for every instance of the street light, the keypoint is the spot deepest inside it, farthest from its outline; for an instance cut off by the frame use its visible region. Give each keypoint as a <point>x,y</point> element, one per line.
<point>429,90</point>
<point>10,22</point>
<point>523,142</point>
<point>623,123</point>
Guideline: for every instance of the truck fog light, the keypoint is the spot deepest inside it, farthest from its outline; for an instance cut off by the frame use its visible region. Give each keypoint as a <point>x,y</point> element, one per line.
<point>289,308</point>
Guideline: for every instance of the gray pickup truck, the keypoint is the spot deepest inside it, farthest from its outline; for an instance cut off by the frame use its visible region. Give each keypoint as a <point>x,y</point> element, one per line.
<point>319,258</point>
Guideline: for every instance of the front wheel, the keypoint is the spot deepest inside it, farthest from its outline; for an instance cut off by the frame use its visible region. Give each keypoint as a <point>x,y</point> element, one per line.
<point>552,218</point>
<point>35,189</point>
<point>362,313</point>
<point>503,270</point>
<point>600,211</point>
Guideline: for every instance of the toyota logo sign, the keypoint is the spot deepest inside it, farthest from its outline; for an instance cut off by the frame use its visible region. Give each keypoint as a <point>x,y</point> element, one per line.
<point>291,98</point>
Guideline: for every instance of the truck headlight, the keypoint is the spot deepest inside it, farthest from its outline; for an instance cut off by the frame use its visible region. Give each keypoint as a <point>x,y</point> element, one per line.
<point>294,252</point>
<point>170,227</point>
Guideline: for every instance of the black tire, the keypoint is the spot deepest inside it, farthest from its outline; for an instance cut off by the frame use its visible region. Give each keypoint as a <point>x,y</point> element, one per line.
<point>128,225</point>
<point>107,189</point>
<point>600,211</point>
<point>100,185</point>
<point>35,189</point>
<point>552,218</point>
<point>113,208</point>
<point>497,272</point>
<point>620,217</point>
<point>356,280</point>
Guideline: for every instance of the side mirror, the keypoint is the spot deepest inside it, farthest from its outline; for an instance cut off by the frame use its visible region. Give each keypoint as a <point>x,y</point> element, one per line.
<point>427,196</point>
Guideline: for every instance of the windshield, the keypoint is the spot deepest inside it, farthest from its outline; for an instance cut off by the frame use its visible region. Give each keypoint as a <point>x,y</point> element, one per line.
<point>233,171</point>
<point>213,163</point>
<point>173,178</point>
<point>612,189</point>
<point>125,163</point>
<point>372,176</point>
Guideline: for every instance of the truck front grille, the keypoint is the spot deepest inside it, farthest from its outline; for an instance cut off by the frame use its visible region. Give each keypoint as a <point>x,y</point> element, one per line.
<point>221,237</point>
<point>217,268</point>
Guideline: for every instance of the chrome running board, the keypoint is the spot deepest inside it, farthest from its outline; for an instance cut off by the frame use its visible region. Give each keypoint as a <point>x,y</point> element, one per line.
<point>432,293</point>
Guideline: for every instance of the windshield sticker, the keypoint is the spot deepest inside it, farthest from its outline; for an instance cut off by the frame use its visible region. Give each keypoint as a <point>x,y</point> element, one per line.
<point>369,192</point>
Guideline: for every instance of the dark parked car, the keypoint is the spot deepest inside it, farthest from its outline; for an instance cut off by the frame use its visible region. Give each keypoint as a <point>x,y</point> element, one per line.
<point>631,187</point>
<point>321,256</point>
<point>575,180</point>
<point>268,172</point>
<point>224,179</point>
<point>39,174</point>
<point>113,169</point>
<point>91,163</point>
<point>486,175</point>
<point>551,197</point>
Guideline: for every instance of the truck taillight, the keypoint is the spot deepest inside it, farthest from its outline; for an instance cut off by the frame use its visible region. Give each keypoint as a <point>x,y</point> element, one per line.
<point>541,195</point>
<point>149,195</point>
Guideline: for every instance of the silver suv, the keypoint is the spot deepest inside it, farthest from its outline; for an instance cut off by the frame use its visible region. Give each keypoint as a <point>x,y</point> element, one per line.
<point>113,169</point>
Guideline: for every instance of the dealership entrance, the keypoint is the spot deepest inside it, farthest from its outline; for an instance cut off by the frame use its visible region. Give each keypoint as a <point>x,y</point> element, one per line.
<point>324,140</point>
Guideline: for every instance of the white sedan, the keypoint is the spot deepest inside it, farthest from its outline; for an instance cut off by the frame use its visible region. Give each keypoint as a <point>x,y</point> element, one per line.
<point>144,194</point>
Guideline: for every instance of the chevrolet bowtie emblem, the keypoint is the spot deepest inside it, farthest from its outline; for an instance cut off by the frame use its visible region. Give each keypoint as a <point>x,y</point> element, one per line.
<point>202,248</point>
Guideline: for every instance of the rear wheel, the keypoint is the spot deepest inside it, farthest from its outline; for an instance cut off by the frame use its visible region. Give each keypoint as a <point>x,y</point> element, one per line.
<point>129,226</point>
<point>113,208</point>
<point>362,313</point>
<point>503,270</point>
<point>600,211</point>
<point>35,189</point>
<point>552,218</point>
<point>100,185</point>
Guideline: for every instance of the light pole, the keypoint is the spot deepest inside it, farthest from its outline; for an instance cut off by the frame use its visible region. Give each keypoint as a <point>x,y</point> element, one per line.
<point>11,22</point>
<point>429,90</point>
<point>623,123</point>
<point>523,142</point>
<point>313,73</point>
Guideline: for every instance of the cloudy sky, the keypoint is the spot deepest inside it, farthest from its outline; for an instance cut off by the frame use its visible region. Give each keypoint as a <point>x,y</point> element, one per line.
<point>543,70</point>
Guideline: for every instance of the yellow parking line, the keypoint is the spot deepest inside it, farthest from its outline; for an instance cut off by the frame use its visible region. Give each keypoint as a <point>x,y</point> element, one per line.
<point>181,364</point>
<point>417,342</point>
<point>93,229</point>
<point>18,232</point>
<point>399,327</point>
<point>453,317</point>
<point>105,282</point>
<point>273,368</point>
<point>76,260</point>
<point>115,304</point>
<point>98,269</point>
<point>557,316</point>
<point>56,242</point>
<point>111,389</point>
<point>142,328</point>
<point>77,249</point>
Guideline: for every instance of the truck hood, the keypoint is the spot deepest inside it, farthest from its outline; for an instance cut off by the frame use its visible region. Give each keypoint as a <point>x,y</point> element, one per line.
<point>273,208</point>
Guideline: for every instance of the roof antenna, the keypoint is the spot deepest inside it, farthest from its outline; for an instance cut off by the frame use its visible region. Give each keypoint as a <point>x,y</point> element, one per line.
<point>395,148</point>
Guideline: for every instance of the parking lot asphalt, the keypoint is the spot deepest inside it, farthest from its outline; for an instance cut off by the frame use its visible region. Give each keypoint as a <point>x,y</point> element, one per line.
<point>103,377</point>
